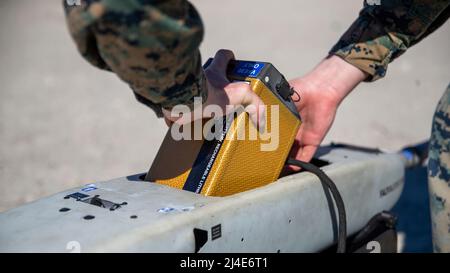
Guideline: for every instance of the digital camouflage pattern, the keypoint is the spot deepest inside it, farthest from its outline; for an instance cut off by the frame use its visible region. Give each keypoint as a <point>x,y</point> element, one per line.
<point>386,30</point>
<point>153,45</point>
<point>382,33</point>
<point>439,175</point>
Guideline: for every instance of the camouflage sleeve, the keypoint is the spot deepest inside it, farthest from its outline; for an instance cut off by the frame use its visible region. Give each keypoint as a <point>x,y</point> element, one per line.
<point>385,29</point>
<point>153,45</point>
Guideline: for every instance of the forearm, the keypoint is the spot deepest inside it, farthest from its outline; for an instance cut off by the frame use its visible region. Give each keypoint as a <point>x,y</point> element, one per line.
<point>383,32</point>
<point>335,77</point>
<point>362,54</point>
<point>152,47</point>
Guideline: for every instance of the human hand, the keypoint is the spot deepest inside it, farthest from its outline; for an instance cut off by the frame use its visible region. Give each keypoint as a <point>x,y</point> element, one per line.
<point>223,93</point>
<point>321,92</point>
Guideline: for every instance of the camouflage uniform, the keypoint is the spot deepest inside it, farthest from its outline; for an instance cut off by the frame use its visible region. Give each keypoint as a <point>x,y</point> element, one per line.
<point>439,175</point>
<point>153,46</point>
<point>381,34</point>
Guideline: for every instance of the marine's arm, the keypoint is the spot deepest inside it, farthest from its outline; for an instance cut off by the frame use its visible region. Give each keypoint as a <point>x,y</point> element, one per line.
<point>153,45</point>
<point>383,32</point>
<point>379,35</point>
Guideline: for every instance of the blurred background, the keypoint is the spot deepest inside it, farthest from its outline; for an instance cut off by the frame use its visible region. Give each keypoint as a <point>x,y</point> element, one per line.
<point>64,123</point>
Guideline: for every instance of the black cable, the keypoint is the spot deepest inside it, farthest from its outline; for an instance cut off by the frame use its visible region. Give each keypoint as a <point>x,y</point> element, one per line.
<point>342,228</point>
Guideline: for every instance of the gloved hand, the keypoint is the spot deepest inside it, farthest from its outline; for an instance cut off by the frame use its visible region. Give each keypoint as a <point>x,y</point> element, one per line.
<point>223,93</point>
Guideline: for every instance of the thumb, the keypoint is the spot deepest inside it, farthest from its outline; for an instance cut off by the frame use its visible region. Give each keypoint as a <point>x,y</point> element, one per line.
<point>220,62</point>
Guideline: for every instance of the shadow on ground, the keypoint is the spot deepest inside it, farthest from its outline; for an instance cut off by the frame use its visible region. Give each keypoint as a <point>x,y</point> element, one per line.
<point>412,209</point>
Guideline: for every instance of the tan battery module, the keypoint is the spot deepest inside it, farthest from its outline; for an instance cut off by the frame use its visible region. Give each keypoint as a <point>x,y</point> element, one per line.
<point>230,163</point>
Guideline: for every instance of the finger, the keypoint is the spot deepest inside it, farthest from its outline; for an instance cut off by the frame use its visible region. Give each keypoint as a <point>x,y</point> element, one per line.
<point>241,94</point>
<point>287,170</point>
<point>304,154</point>
<point>257,114</point>
<point>221,60</point>
<point>307,153</point>
<point>168,122</point>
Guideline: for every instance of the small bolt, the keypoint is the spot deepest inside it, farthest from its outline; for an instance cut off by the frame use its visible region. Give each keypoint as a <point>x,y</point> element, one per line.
<point>88,217</point>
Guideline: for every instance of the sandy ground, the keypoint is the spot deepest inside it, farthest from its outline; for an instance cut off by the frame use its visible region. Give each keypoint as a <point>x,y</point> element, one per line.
<point>64,123</point>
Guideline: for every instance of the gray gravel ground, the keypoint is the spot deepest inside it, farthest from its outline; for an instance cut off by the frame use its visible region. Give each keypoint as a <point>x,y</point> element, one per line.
<point>64,123</point>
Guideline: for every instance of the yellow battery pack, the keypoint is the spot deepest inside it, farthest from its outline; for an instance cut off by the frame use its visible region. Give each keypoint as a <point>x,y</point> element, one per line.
<point>235,161</point>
